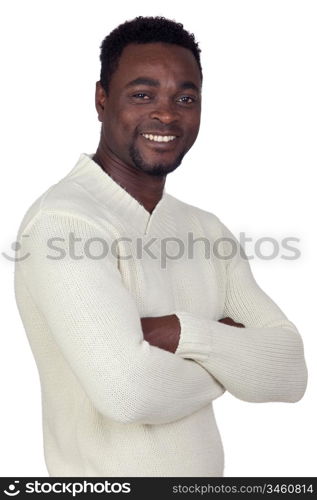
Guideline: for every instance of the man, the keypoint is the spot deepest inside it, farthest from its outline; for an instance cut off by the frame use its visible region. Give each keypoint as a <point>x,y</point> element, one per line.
<point>134,325</point>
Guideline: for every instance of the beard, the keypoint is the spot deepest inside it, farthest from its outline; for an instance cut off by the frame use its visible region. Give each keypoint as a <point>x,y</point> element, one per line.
<point>155,169</point>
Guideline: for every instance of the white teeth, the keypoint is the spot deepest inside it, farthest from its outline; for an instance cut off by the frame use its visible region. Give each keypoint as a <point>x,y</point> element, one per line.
<point>159,138</point>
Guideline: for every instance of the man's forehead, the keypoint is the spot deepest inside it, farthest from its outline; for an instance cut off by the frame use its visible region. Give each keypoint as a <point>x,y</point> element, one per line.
<point>156,51</point>
<point>145,62</point>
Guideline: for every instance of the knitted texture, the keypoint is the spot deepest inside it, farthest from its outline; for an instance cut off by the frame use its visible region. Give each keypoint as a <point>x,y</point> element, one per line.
<point>93,262</point>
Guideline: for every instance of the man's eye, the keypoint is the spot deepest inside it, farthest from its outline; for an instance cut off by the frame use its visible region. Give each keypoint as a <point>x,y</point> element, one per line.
<point>141,95</point>
<point>186,99</point>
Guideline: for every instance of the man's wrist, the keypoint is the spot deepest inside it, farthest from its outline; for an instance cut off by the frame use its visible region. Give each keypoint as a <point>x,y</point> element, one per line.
<point>162,331</point>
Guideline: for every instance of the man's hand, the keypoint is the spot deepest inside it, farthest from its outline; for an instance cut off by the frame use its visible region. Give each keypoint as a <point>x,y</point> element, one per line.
<point>230,322</point>
<point>164,331</point>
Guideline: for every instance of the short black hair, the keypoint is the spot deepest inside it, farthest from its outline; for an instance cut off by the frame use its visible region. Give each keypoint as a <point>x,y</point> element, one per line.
<point>142,30</point>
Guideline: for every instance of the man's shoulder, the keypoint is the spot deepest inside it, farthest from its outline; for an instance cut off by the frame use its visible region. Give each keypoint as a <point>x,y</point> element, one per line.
<point>66,198</point>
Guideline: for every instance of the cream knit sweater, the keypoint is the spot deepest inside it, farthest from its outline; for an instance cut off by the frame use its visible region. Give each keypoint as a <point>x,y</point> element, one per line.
<point>92,262</point>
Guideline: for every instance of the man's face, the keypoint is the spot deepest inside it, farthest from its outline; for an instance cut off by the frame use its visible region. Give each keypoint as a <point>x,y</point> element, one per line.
<point>151,115</point>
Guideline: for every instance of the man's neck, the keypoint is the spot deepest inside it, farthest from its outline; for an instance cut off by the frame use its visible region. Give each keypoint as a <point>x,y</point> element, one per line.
<point>146,189</point>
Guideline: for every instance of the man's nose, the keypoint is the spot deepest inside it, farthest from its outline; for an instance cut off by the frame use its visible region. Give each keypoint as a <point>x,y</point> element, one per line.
<point>165,112</point>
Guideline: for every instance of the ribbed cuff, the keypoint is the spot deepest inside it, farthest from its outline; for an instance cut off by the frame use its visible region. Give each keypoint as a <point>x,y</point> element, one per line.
<point>195,340</point>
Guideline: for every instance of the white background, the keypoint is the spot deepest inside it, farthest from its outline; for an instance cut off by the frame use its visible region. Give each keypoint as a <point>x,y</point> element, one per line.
<point>253,165</point>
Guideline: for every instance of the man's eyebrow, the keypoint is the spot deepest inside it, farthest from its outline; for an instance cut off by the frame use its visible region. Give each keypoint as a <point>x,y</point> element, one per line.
<point>155,83</point>
<point>189,85</point>
<point>143,81</point>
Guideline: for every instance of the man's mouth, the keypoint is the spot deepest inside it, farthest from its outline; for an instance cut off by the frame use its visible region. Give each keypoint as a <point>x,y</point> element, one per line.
<point>159,138</point>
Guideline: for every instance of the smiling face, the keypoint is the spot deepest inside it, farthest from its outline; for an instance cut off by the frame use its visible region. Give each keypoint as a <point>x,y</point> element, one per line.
<point>151,115</point>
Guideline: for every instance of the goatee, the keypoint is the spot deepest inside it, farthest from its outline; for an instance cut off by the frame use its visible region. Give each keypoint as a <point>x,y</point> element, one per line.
<point>156,169</point>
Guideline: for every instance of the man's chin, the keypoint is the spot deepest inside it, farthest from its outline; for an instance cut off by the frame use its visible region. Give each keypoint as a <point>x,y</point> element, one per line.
<point>156,169</point>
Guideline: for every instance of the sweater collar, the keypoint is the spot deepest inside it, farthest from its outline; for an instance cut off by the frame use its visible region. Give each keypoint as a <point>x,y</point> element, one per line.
<point>109,193</point>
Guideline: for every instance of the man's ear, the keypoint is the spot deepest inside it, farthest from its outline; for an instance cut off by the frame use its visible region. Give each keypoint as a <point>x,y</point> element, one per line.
<point>100,100</point>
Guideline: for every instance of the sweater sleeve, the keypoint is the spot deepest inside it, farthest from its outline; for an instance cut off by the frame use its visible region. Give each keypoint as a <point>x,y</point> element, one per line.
<point>96,325</point>
<point>259,363</point>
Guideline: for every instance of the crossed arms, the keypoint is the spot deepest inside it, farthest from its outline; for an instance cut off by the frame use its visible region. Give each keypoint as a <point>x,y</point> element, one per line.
<point>155,371</point>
